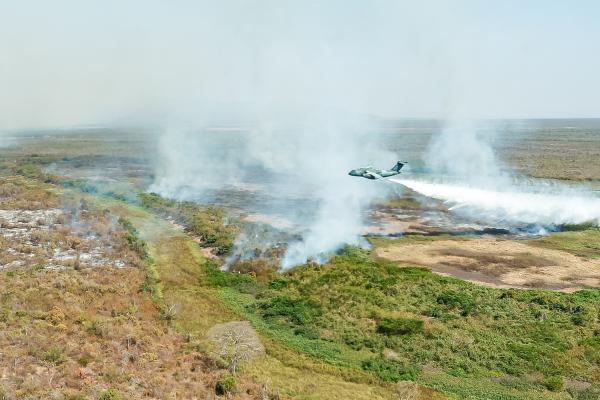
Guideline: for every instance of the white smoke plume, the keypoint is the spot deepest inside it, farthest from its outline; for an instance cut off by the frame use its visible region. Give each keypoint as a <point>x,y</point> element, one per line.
<point>290,159</point>
<point>464,150</point>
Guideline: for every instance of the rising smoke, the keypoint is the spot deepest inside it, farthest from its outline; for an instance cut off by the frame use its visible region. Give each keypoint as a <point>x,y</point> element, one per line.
<point>303,163</point>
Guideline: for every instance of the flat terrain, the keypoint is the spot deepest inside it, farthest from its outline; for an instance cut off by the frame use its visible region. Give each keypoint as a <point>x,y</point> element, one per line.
<point>553,149</point>
<point>110,291</point>
<point>500,262</point>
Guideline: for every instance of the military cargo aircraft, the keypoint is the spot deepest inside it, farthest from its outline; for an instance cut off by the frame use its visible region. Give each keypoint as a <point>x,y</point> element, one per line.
<point>370,172</point>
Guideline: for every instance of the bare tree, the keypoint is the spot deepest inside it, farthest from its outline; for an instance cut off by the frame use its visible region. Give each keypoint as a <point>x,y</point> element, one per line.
<point>235,342</point>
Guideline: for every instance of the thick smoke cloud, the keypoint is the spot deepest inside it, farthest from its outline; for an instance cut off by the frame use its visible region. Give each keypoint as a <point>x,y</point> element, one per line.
<point>301,161</point>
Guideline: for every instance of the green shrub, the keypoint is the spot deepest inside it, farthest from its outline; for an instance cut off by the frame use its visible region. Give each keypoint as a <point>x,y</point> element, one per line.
<point>54,355</point>
<point>389,370</point>
<point>155,201</point>
<point>225,384</point>
<point>84,360</point>
<point>133,240</point>
<point>578,319</point>
<point>278,283</point>
<point>94,328</point>
<point>438,312</point>
<point>414,273</point>
<point>209,223</point>
<point>353,338</point>
<point>554,383</point>
<point>299,310</point>
<point>399,326</point>
<point>214,277</point>
<point>110,394</point>
<point>307,331</point>
<point>578,227</point>
<point>457,300</point>
<point>593,342</point>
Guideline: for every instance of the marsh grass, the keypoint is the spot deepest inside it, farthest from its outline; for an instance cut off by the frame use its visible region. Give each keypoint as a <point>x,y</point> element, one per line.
<point>582,243</point>
<point>349,310</point>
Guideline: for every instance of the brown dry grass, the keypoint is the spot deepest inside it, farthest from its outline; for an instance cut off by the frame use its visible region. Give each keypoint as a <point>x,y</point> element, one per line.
<point>496,262</point>
<point>77,328</point>
<point>18,193</point>
<point>85,331</point>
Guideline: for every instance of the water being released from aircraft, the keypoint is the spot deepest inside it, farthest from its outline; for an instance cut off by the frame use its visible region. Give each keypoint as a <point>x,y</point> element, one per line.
<point>529,204</point>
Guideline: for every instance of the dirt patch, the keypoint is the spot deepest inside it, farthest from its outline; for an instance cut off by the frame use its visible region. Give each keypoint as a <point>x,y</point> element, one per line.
<point>499,263</point>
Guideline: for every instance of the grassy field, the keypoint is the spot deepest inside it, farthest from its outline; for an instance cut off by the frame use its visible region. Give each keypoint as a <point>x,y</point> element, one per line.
<point>356,327</point>
<point>410,324</point>
<point>186,279</point>
<point>583,243</point>
<point>366,317</point>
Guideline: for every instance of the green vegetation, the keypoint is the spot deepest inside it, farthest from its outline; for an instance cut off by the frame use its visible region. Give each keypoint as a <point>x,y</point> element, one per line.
<point>225,384</point>
<point>110,394</point>
<point>214,277</point>
<point>132,238</point>
<point>136,244</point>
<point>400,326</point>
<point>205,296</point>
<point>354,311</point>
<point>554,383</point>
<point>406,203</point>
<point>581,241</point>
<point>578,227</point>
<point>370,322</point>
<point>210,223</point>
<point>54,355</point>
<point>389,370</point>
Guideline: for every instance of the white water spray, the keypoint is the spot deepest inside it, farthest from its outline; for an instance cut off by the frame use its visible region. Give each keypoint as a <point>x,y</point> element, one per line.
<point>468,175</point>
<point>532,204</point>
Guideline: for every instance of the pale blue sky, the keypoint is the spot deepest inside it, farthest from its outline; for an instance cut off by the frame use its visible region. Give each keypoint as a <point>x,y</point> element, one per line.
<point>73,62</point>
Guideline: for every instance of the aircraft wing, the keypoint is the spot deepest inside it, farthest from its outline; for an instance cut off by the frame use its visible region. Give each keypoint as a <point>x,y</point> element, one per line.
<point>372,175</point>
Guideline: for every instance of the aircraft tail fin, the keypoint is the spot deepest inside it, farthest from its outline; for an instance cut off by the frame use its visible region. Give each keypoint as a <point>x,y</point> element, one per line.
<point>398,166</point>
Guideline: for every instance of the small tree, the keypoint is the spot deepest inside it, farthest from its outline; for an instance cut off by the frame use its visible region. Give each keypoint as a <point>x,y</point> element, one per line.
<point>235,342</point>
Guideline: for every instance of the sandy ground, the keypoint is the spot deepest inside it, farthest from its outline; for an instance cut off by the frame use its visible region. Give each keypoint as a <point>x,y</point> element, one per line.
<point>499,263</point>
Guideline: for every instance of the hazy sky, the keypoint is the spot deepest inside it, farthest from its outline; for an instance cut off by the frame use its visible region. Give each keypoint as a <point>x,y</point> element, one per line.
<point>77,62</point>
